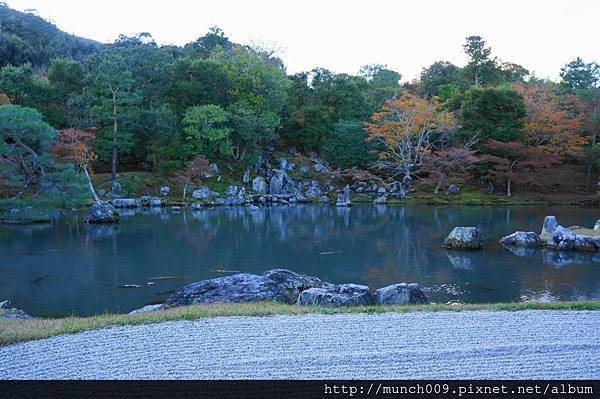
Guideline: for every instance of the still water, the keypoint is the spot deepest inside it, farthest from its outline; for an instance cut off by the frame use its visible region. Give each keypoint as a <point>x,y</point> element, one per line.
<point>71,268</point>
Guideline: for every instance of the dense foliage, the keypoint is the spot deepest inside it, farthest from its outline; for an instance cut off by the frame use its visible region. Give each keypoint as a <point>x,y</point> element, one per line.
<point>134,105</point>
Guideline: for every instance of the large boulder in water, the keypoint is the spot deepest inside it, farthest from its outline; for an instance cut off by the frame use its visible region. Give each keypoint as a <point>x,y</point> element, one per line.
<point>527,239</point>
<point>564,239</point>
<point>99,213</point>
<point>336,295</point>
<point>126,203</point>
<point>276,285</point>
<point>466,238</point>
<point>550,224</point>
<point>401,294</point>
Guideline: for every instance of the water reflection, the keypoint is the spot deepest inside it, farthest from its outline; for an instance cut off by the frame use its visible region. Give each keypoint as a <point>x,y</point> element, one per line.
<point>373,245</point>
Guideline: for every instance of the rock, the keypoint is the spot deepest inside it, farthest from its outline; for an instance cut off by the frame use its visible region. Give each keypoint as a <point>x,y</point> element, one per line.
<point>453,190</point>
<point>259,185</point>
<point>597,225</point>
<point>151,202</point>
<point>116,190</point>
<point>292,150</point>
<point>314,191</point>
<point>565,239</point>
<point>522,239</point>
<point>101,192</point>
<point>276,285</point>
<point>321,168</point>
<point>98,214</point>
<point>231,191</point>
<point>214,168</point>
<point>148,309</point>
<point>464,238</point>
<point>381,190</point>
<point>253,208</point>
<point>283,163</point>
<point>401,294</point>
<point>198,206</point>
<point>165,191</point>
<point>336,295</point>
<point>204,193</point>
<point>126,203</point>
<point>246,177</point>
<point>344,198</point>
<point>294,283</point>
<point>550,224</point>
<point>291,166</point>
<point>276,185</point>
<point>304,169</point>
<point>324,200</point>
<point>7,311</point>
<point>381,200</point>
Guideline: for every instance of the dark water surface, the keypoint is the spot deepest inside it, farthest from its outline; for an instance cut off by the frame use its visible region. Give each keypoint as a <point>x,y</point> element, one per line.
<point>68,267</point>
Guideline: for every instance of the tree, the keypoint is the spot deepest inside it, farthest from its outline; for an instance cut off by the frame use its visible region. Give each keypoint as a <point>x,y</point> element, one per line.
<point>553,122</point>
<point>73,146</point>
<point>207,130</point>
<point>440,74</point>
<point>23,136</point>
<point>493,113</point>
<point>580,75</point>
<point>404,128</point>
<point>515,162</point>
<point>109,72</point>
<point>346,146</point>
<point>384,84</point>
<point>196,170</point>
<point>452,165</point>
<point>480,67</point>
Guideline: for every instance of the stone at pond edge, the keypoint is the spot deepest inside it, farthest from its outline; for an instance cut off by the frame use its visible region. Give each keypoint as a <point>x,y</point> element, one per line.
<point>259,185</point>
<point>98,214</point>
<point>401,294</point>
<point>165,191</point>
<point>467,238</point>
<point>522,239</point>
<point>7,311</point>
<point>564,239</point>
<point>204,193</point>
<point>453,190</point>
<point>276,285</point>
<point>337,295</point>
<point>148,309</point>
<point>597,225</point>
<point>126,203</point>
<point>344,198</point>
<point>381,200</point>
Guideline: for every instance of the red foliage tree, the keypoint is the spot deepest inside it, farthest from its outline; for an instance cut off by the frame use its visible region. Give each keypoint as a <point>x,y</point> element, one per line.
<point>515,162</point>
<point>197,169</point>
<point>451,165</point>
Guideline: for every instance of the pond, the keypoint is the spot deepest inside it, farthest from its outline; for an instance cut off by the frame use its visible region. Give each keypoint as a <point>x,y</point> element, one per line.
<point>71,268</point>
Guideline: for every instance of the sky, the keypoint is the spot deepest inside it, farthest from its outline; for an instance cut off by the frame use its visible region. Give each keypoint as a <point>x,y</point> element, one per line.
<point>405,35</point>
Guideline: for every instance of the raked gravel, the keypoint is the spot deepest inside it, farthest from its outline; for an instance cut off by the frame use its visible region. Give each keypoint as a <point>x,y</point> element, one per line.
<point>447,345</point>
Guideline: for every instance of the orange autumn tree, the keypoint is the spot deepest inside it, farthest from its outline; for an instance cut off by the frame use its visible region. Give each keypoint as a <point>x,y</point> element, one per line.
<point>553,122</point>
<point>73,146</point>
<point>404,128</point>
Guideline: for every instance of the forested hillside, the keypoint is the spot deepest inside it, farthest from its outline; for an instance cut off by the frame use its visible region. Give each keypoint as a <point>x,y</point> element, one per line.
<point>72,106</point>
<point>27,38</point>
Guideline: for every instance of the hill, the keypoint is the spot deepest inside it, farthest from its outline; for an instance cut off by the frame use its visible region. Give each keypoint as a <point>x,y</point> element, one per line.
<point>28,38</point>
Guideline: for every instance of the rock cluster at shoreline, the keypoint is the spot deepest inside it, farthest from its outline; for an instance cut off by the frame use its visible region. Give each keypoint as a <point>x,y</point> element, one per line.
<point>285,286</point>
<point>555,237</point>
<point>7,311</point>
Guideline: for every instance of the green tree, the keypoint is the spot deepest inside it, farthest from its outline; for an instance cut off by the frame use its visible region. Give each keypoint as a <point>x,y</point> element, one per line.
<point>346,147</point>
<point>480,69</point>
<point>493,113</point>
<point>580,75</point>
<point>23,137</point>
<point>207,131</point>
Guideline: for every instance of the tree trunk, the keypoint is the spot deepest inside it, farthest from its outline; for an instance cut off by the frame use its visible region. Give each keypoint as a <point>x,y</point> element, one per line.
<point>588,175</point>
<point>185,190</point>
<point>477,78</point>
<point>115,130</point>
<point>439,184</point>
<point>89,179</point>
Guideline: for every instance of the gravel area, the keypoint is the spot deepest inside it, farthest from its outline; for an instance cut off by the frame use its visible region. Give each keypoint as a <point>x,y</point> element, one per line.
<point>448,345</point>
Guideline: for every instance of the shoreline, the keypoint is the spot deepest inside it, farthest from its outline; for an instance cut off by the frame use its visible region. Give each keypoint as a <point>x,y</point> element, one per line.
<point>15,331</point>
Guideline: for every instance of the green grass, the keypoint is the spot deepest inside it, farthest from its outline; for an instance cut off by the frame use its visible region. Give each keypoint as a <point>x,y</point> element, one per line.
<point>12,331</point>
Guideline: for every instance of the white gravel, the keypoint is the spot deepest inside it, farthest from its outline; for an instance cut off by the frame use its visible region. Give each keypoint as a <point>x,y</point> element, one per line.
<point>465,345</point>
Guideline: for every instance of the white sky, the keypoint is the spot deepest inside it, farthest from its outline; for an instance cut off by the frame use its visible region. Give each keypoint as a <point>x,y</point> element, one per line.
<point>342,35</point>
